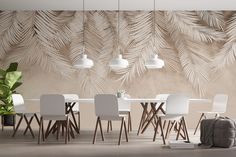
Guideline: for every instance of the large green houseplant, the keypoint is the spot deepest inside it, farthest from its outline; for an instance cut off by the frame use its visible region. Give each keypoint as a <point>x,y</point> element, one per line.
<point>9,81</point>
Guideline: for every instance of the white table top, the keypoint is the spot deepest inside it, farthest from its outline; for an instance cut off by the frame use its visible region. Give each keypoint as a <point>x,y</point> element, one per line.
<point>132,100</point>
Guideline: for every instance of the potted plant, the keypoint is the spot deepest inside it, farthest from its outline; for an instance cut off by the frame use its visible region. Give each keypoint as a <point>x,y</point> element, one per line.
<point>9,81</point>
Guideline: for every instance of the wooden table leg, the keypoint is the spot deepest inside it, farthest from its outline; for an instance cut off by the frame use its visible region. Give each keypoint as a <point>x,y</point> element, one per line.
<point>69,109</point>
<point>144,105</point>
<point>153,105</point>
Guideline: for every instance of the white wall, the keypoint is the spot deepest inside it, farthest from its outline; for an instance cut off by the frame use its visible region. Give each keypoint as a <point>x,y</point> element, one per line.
<point>112,4</point>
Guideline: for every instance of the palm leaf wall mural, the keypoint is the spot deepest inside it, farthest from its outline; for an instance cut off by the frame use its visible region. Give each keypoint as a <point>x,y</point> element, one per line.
<point>185,40</point>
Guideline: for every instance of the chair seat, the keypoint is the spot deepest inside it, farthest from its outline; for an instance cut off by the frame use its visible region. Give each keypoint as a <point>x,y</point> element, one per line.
<point>113,118</point>
<point>171,117</point>
<point>54,117</point>
<point>124,111</point>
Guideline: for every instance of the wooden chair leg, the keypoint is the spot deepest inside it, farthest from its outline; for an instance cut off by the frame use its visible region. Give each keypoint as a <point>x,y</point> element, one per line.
<point>75,122</point>
<point>43,134</point>
<point>202,115</point>
<point>126,134</point>
<point>37,118</point>
<point>58,130</point>
<point>100,125</point>
<point>156,128</point>
<point>108,124</point>
<point>79,121</point>
<point>183,131</point>
<point>167,129</point>
<point>62,128</point>
<point>67,127</point>
<point>68,135</point>
<point>28,125</point>
<point>172,125</point>
<point>21,117</point>
<point>162,133</point>
<point>71,129</point>
<point>48,128</point>
<point>129,122</point>
<point>164,124</point>
<point>121,129</point>
<point>95,132</point>
<point>40,130</point>
<point>179,129</point>
<point>185,128</point>
<point>52,129</point>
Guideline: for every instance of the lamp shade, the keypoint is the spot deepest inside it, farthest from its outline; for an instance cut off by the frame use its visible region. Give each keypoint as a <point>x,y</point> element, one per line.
<point>118,63</point>
<point>154,62</point>
<point>83,62</point>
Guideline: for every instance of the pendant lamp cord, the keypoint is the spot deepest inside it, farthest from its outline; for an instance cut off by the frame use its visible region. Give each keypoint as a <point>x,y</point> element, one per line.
<point>83,30</point>
<point>118,27</point>
<point>154,24</point>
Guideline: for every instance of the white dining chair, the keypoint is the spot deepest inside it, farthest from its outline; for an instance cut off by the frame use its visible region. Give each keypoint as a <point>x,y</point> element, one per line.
<point>52,107</point>
<point>106,108</point>
<point>219,106</point>
<point>20,110</point>
<point>162,97</point>
<point>124,107</point>
<point>162,109</point>
<point>177,106</point>
<point>74,98</point>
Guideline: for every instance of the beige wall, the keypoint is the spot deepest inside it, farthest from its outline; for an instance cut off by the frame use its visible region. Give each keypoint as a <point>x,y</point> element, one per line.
<point>47,43</point>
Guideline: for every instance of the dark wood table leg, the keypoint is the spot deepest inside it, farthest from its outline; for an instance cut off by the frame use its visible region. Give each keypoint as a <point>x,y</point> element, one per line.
<point>144,105</point>
<point>69,109</point>
<point>153,105</point>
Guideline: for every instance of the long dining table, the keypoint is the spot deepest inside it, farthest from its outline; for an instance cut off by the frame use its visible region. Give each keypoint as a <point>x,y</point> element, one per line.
<point>149,105</point>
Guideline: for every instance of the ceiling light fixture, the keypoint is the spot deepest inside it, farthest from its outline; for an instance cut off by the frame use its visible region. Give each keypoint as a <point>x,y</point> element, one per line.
<point>84,62</point>
<point>154,62</point>
<point>118,62</point>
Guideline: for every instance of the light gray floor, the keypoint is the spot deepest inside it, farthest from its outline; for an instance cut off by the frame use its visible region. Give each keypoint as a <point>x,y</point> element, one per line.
<point>81,146</point>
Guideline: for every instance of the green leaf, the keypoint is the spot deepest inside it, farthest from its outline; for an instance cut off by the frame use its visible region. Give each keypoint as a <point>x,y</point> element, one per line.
<point>12,67</point>
<point>12,78</point>
<point>2,80</point>
<point>4,91</point>
<point>2,73</point>
<point>17,84</point>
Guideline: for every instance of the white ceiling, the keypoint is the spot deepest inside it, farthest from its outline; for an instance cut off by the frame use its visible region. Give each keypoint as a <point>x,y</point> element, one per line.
<point>112,4</point>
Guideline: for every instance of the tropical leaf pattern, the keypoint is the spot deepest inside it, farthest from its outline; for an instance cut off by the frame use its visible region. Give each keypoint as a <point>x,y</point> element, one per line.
<point>195,44</point>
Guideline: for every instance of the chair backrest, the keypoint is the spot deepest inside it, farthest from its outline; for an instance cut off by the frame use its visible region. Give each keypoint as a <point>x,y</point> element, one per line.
<point>220,103</point>
<point>177,104</point>
<point>18,102</point>
<point>52,104</point>
<point>73,97</point>
<point>124,104</point>
<point>106,105</point>
<point>162,97</point>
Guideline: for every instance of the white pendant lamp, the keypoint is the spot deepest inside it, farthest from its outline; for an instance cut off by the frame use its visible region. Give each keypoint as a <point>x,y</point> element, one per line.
<point>154,62</point>
<point>118,62</point>
<point>84,62</point>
